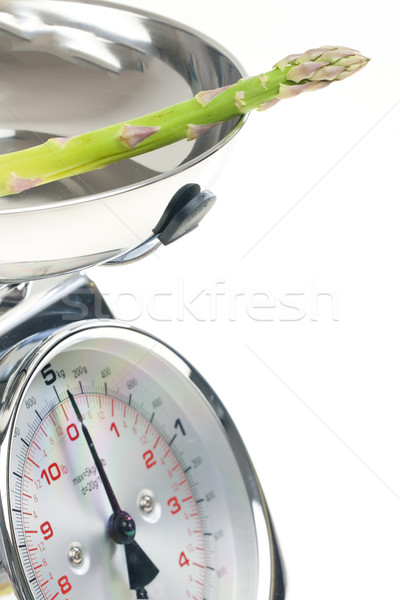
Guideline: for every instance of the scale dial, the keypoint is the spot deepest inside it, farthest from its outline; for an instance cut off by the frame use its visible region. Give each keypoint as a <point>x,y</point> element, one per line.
<point>170,452</point>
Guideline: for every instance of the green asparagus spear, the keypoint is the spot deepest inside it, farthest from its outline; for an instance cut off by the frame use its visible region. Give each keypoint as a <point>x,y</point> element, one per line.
<point>65,157</point>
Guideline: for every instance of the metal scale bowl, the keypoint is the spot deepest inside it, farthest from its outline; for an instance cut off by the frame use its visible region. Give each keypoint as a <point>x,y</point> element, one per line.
<point>69,66</point>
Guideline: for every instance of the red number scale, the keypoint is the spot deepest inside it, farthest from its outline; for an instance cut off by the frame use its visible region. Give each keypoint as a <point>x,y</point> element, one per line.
<point>58,458</point>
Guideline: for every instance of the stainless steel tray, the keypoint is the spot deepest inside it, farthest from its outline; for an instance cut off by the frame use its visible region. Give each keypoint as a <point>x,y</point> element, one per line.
<point>68,66</point>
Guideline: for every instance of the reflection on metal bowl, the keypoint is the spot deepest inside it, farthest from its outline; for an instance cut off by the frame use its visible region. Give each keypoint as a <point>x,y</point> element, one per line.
<point>69,66</point>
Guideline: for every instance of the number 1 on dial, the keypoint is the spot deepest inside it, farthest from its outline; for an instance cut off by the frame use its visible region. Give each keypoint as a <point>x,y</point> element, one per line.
<point>113,427</point>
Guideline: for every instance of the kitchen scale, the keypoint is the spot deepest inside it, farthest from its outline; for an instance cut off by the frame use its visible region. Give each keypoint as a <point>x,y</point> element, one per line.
<point>121,472</point>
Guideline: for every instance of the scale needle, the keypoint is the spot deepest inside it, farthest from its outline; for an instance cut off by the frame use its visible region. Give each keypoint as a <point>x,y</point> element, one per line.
<point>121,526</point>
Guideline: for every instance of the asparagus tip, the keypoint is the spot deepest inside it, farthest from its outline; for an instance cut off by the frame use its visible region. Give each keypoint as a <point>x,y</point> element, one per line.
<point>318,67</point>
<point>327,63</point>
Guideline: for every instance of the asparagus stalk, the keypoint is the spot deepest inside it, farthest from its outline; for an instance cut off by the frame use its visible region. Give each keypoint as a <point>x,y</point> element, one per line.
<point>65,157</point>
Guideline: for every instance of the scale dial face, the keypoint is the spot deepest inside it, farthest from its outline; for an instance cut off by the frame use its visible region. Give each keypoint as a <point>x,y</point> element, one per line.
<point>169,460</point>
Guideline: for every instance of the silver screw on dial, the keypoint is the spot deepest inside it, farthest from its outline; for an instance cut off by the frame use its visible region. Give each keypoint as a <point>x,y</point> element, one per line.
<point>146,503</point>
<point>75,555</point>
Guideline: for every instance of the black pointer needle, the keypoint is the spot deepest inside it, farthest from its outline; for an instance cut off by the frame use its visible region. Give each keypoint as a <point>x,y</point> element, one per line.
<point>103,475</point>
<point>121,526</point>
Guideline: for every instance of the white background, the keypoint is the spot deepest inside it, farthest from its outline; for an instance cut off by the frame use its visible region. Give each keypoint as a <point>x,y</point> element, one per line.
<point>302,341</point>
